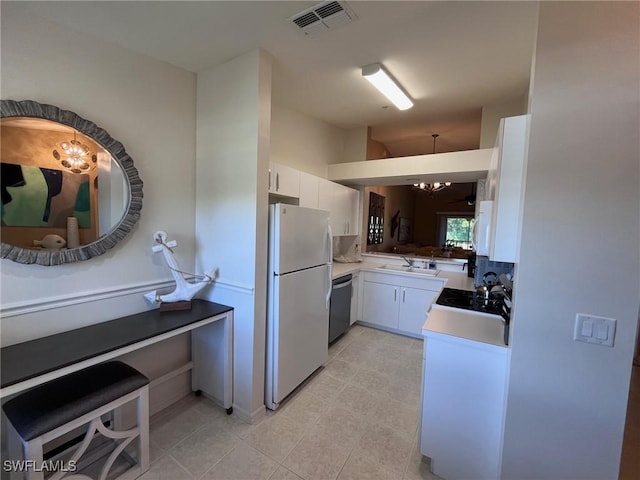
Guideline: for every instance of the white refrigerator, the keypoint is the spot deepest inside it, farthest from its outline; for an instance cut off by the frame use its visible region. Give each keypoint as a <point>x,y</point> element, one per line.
<point>300,256</point>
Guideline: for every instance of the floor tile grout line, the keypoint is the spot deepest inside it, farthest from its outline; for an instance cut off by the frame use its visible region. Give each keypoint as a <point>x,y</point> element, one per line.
<point>331,399</point>
<point>181,466</point>
<point>229,453</point>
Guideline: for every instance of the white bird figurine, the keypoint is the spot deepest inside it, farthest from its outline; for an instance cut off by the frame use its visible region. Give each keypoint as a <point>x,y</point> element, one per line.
<point>184,290</point>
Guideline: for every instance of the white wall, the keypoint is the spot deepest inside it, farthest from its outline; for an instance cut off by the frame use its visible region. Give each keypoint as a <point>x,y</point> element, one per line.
<point>567,400</point>
<point>147,105</point>
<point>304,142</point>
<point>491,115</point>
<point>234,112</point>
<point>355,145</point>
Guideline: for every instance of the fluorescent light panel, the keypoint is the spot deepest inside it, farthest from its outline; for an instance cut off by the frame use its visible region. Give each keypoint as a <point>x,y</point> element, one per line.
<point>380,79</point>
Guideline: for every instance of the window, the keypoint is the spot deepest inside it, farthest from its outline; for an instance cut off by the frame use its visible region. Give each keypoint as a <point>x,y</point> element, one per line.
<point>456,230</point>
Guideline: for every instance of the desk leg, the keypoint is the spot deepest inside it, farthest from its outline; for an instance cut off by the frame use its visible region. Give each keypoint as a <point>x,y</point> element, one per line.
<point>228,369</point>
<point>212,355</point>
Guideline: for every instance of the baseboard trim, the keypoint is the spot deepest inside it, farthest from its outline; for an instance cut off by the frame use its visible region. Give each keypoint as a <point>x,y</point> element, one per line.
<point>249,417</point>
<point>387,329</point>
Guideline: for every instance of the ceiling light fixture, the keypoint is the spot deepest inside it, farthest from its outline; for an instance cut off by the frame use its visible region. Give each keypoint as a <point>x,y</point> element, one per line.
<point>381,79</point>
<point>432,187</point>
<point>435,186</point>
<point>75,156</point>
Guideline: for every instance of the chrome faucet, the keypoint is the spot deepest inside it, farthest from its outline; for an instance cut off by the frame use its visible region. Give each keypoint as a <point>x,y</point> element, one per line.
<point>408,260</point>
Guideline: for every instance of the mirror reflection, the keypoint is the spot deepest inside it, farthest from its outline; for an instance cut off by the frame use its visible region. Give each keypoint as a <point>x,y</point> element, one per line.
<point>50,173</point>
<point>69,190</point>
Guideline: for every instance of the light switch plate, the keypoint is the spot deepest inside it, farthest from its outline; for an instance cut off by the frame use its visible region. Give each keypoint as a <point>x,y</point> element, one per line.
<point>594,329</point>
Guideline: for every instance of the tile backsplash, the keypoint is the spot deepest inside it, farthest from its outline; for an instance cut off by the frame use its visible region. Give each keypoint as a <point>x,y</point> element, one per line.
<point>346,248</point>
<point>484,265</point>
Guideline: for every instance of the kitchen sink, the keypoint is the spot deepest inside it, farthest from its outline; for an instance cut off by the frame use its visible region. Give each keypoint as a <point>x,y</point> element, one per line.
<point>408,269</point>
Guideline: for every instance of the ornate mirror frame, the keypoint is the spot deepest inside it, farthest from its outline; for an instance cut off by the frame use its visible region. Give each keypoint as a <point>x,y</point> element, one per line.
<point>29,108</point>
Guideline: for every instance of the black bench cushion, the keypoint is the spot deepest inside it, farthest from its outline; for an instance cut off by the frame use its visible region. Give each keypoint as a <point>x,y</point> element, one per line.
<point>59,401</point>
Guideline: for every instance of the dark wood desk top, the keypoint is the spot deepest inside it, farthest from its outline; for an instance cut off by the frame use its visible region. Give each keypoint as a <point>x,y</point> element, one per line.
<point>27,360</point>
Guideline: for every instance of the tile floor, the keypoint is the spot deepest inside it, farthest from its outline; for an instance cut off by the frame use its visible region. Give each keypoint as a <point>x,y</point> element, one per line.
<point>357,418</point>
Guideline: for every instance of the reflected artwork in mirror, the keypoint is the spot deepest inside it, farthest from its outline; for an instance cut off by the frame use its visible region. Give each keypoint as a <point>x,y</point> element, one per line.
<point>61,170</point>
<point>375,227</point>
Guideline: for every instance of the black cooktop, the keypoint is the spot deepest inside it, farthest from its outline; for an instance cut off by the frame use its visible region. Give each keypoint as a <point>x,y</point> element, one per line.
<point>465,299</point>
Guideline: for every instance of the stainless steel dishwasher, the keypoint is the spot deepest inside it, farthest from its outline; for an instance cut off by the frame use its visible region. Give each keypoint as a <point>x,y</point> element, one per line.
<point>340,309</point>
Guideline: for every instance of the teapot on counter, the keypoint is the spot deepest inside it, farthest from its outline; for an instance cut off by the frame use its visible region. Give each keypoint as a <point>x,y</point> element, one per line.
<point>483,292</point>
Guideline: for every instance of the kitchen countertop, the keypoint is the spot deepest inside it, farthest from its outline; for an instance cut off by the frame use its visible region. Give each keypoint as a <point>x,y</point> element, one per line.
<point>464,326</point>
<point>340,269</point>
<point>453,279</point>
<point>451,324</point>
<point>455,263</point>
<point>457,280</point>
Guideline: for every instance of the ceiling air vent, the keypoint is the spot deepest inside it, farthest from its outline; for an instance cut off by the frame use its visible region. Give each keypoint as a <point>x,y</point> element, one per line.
<point>323,17</point>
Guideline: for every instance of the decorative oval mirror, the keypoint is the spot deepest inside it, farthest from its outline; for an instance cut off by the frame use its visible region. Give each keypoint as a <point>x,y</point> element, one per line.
<point>70,191</point>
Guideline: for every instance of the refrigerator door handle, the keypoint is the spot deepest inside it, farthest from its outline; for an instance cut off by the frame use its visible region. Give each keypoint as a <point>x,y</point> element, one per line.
<point>330,240</point>
<point>329,263</point>
<point>328,297</point>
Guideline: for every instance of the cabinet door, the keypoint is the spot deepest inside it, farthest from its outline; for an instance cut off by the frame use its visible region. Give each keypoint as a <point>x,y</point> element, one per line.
<point>355,296</point>
<point>325,197</point>
<point>328,199</point>
<point>341,209</point>
<point>380,304</point>
<point>509,178</point>
<point>343,203</point>
<point>414,303</point>
<point>352,206</point>
<point>463,402</point>
<point>308,190</point>
<point>284,180</point>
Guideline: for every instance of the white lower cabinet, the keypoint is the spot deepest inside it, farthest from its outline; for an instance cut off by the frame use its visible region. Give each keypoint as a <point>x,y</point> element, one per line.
<point>414,304</point>
<point>355,297</point>
<point>398,302</point>
<point>463,407</point>
<point>381,304</point>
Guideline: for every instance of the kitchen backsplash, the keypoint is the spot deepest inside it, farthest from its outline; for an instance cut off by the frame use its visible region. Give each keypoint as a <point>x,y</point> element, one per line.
<point>346,249</point>
<point>484,265</point>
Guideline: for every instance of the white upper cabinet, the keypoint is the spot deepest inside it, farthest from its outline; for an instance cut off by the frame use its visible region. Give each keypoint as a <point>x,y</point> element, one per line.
<point>505,186</point>
<point>353,210</point>
<point>309,185</point>
<point>283,180</point>
<point>343,204</point>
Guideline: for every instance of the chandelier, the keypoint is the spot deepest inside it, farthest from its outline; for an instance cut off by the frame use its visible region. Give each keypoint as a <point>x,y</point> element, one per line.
<point>75,156</point>
<point>431,187</point>
<point>435,186</point>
